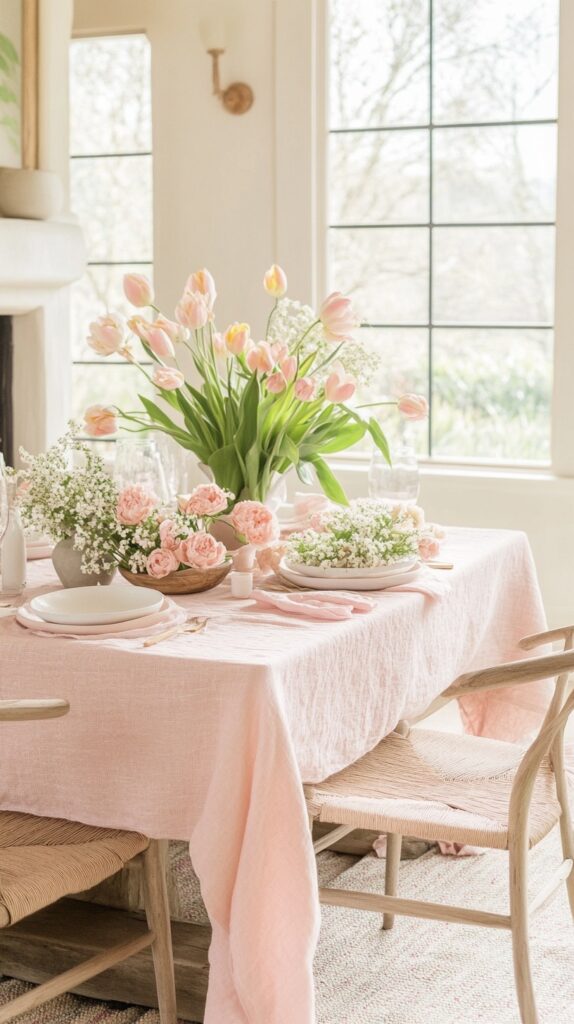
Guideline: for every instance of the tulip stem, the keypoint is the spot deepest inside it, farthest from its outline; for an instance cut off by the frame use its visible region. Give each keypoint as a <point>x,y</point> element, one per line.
<point>304,335</point>
<point>370,405</point>
<point>269,319</point>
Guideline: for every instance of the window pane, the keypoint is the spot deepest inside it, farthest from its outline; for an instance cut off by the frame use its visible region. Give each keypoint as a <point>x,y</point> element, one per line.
<point>385,270</point>
<point>99,291</point>
<point>491,393</point>
<point>495,174</point>
<point>379,178</point>
<point>110,108</point>
<point>113,201</point>
<point>108,384</point>
<point>379,73</point>
<point>493,275</point>
<point>403,353</point>
<point>495,60</point>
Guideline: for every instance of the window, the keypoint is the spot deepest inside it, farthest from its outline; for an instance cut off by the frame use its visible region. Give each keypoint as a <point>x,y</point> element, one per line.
<point>442,123</point>
<point>111,194</point>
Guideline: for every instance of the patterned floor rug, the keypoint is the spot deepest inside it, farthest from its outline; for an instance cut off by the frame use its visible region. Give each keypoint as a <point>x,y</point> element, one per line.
<point>421,972</point>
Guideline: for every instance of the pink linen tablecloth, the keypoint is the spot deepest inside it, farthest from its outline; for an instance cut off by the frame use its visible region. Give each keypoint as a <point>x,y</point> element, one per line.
<point>207,738</point>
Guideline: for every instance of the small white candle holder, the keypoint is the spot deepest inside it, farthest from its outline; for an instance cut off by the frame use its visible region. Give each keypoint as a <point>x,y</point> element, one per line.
<point>241,584</point>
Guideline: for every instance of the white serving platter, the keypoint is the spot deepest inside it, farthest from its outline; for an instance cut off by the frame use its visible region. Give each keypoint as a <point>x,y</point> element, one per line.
<point>350,583</point>
<point>95,606</point>
<point>402,565</point>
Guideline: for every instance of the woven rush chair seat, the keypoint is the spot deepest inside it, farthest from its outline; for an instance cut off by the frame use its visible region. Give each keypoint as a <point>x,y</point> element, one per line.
<point>43,859</point>
<point>437,786</point>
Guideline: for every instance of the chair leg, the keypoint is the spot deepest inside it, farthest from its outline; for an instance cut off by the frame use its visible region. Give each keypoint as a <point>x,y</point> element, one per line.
<point>566,829</point>
<point>158,919</point>
<point>520,943</point>
<point>394,845</point>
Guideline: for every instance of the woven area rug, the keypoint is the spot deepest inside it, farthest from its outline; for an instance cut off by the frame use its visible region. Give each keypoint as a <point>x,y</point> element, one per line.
<point>421,972</point>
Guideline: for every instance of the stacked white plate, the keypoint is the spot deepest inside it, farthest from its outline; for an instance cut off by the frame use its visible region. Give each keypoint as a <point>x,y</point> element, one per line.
<point>378,578</point>
<point>96,606</point>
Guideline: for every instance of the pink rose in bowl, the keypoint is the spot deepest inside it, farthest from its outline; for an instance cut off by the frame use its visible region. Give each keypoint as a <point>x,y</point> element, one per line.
<point>206,500</point>
<point>134,505</point>
<point>167,535</point>
<point>201,551</point>
<point>161,562</point>
<point>255,522</point>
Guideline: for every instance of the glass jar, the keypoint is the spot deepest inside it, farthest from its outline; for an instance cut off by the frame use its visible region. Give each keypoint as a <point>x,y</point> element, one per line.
<point>138,462</point>
<point>398,482</point>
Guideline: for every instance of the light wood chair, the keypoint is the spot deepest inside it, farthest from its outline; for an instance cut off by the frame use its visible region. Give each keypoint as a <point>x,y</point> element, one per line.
<point>469,790</point>
<point>43,859</point>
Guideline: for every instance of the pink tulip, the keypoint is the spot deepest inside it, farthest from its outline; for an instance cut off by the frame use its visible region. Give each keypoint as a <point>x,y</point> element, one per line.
<point>138,290</point>
<point>339,386</point>
<point>100,420</point>
<point>192,310</point>
<point>139,326</point>
<point>260,358</point>
<point>280,351</point>
<point>219,345</point>
<point>413,407</point>
<point>237,338</point>
<point>305,389</point>
<point>276,383</point>
<point>167,377</point>
<point>288,368</point>
<point>161,562</point>
<point>201,281</point>
<point>159,343</point>
<point>175,332</point>
<point>106,334</point>
<point>275,281</point>
<point>338,318</point>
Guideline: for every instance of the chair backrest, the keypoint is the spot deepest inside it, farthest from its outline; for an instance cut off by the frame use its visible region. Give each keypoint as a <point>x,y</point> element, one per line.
<point>29,710</point>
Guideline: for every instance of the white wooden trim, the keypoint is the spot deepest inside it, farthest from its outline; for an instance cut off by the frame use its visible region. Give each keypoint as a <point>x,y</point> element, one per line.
<point>562,404</point>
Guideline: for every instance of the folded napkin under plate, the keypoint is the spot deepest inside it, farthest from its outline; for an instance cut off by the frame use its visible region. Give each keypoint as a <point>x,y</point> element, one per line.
<point>316,604</point>
<point>169,615</point>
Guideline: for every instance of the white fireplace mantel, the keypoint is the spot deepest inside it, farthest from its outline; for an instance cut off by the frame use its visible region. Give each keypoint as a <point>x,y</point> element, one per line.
<point>36,259</point>
<point>38,262</point>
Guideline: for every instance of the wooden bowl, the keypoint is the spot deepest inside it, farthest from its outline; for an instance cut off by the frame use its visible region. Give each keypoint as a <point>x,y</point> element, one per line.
<point>184,581</point>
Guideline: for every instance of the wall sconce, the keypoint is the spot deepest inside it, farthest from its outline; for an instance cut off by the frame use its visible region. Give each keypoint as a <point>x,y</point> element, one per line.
<point>215,28</point>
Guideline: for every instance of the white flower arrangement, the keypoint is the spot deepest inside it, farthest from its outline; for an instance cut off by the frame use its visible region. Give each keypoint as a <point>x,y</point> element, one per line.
<point>364,535</point>
<point>64,501</point>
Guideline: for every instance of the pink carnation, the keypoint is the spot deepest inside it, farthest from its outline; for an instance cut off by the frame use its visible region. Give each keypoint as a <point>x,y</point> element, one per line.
<point>255,522</point>
<point>201,551</point>
<point>429,547</point>
<point>161,562</point>
<point>206,500</point>
<point>134,505</point>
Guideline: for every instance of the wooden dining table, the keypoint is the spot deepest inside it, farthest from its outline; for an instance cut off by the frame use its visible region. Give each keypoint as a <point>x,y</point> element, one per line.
<point>208,737</point>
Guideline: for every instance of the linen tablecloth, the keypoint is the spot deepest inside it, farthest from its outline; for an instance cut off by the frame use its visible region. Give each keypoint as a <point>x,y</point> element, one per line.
<point>207,738</point>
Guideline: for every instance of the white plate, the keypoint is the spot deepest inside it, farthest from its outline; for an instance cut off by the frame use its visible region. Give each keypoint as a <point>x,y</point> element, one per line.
<point>402,565</point>
<point>355,583</point>
<point>95,606</point>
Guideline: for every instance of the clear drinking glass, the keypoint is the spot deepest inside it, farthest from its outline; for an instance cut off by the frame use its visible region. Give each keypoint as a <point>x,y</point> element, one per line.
<point>138,461</point>
<point>398,482</point>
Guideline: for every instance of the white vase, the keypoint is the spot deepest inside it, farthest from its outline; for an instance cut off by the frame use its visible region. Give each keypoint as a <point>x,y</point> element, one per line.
<point>30,195</point>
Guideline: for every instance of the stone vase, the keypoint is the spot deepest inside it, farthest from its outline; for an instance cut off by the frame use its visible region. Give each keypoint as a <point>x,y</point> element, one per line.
<point>30,194</point>
<point>68,565</point>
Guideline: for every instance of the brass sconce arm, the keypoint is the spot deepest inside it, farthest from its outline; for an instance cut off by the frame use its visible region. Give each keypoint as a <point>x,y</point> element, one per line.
<point>238,97</point>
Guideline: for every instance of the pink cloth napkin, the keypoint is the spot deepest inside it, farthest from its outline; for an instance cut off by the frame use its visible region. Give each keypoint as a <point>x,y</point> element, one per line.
<point>169,615</point>
<point>319,604</point>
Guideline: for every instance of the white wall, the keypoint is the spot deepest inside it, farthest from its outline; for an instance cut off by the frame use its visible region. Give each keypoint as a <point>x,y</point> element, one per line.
<point>233,194</point>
